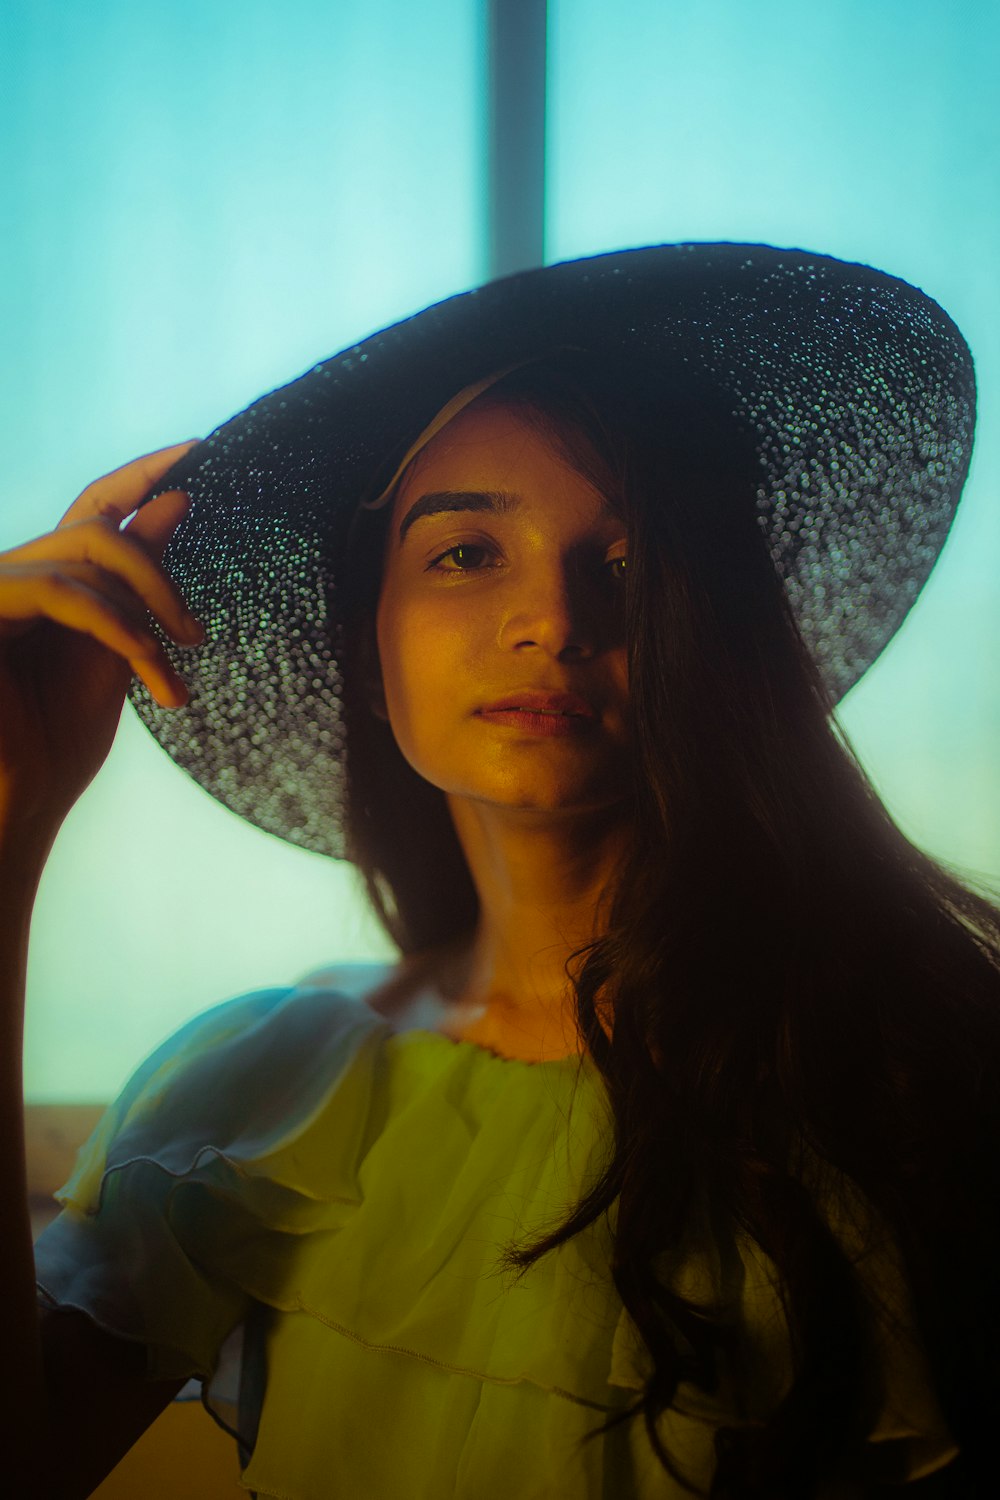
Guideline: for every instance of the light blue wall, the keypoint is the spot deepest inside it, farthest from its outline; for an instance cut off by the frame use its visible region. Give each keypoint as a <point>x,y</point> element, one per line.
<point>199,200</point>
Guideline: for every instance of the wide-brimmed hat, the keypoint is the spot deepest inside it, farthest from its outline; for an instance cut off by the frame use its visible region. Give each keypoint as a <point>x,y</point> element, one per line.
<point>859,389</point>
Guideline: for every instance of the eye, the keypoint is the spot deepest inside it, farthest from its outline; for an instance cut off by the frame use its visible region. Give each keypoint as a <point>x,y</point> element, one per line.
<point>621,563</point>
<point>463,550</point>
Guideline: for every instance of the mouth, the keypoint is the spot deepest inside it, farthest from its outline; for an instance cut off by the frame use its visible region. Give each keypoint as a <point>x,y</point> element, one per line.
<point>533,719</point>
<point>549,705</point>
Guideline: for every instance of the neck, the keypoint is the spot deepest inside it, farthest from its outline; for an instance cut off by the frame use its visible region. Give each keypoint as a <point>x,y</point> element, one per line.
<point>540,881</point>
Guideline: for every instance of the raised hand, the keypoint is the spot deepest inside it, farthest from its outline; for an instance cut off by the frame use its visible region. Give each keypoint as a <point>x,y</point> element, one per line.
<point>74,627</point>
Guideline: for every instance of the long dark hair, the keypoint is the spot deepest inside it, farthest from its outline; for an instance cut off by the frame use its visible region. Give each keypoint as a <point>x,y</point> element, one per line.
<point>795,1011</point>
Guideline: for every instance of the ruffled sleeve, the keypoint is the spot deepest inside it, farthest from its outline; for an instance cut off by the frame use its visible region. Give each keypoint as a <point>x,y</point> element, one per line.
<point>176,1213</point>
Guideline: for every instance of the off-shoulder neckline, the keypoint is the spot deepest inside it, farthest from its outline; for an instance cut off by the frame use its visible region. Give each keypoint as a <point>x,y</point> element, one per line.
<point>439,1038</point>
<point>355,981</point>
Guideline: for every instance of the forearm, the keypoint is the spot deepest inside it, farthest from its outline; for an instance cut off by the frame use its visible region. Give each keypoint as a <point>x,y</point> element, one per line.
<point>24,1406</point>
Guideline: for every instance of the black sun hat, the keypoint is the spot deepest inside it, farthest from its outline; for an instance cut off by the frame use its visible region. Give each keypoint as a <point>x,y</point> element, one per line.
<point>858,389</point>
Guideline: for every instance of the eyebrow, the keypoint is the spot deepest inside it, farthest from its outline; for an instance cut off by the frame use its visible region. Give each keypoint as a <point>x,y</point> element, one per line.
<point>497,502</point>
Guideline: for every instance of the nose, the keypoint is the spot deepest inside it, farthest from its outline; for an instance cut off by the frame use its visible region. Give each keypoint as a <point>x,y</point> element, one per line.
<point>558,608</point>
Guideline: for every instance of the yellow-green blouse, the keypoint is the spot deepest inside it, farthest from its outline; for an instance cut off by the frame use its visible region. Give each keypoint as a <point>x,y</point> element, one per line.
<point>302,1208</point>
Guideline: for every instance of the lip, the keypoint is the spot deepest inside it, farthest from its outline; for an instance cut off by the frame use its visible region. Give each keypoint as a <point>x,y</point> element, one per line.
<point>536,700</point>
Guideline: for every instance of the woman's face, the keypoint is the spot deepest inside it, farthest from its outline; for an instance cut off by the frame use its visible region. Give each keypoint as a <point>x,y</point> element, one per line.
<point>503,578</point>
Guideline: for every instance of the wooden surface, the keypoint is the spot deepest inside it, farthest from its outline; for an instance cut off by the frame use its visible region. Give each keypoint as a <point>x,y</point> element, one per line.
<point>53,1133</point>
<point>185,1455</point>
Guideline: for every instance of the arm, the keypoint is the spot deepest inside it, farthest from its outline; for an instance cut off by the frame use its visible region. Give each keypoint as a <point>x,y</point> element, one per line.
<point>79,1399</point>
<point>73,627</point>
<point>25,1409</point>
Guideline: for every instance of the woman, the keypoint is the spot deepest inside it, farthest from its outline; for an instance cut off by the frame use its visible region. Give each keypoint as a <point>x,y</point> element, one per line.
<point>628,863</point>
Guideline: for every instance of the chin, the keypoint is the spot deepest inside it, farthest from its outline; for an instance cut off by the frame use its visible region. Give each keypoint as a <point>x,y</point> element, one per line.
<point>562,800</point>
<point>524,788</point>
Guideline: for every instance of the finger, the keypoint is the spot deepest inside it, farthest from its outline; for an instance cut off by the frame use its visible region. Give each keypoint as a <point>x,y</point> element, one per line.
<point>168,612</point>
<point>121,490</point>
<point>97,552</point>
<point>73,603</point>
<point>19,606</point>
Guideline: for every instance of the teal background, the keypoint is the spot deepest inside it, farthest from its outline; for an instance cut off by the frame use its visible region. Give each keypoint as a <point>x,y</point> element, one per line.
<point>198,201</point>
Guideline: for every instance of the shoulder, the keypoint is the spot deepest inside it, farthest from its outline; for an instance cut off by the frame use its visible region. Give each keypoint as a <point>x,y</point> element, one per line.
<point>405,992</point>
<point>251,1065</point>
<point>359,981</point>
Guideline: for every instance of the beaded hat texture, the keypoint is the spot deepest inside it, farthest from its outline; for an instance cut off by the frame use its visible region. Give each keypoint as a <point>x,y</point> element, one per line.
<point>858,388</point>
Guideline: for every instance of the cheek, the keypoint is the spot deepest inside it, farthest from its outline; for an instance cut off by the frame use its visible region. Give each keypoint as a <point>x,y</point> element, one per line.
<point>422,652</point>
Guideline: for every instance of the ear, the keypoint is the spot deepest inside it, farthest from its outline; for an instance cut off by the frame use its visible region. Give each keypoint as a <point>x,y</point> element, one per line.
<point>371,674</point>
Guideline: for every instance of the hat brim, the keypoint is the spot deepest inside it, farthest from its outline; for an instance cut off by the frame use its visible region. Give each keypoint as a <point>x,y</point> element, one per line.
<point>859,387</point>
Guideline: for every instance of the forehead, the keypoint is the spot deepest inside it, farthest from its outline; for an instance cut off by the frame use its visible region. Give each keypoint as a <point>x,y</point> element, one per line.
<point>492,447</point>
